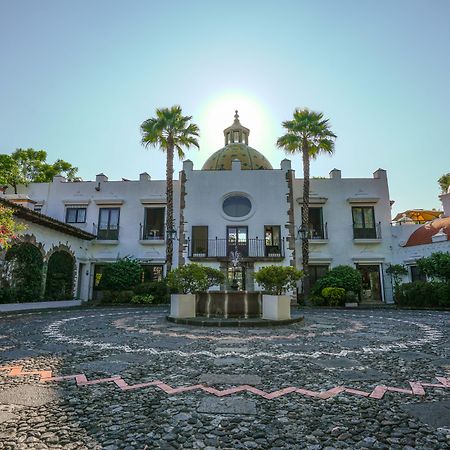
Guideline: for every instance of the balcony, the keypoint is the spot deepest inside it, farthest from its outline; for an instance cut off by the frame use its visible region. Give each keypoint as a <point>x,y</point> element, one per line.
<point>221,249</point>
<point>367,235</point>
<point>108,235</point>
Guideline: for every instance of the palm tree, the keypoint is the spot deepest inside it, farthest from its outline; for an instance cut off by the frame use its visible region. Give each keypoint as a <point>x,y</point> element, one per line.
<point>170,130</point>
<point>308,133</point>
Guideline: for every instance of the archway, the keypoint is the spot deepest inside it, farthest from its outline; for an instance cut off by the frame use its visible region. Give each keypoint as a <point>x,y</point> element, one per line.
<point>24,271</point>
<point>60,276</point>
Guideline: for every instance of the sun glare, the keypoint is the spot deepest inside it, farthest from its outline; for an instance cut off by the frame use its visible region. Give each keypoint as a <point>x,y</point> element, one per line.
<point>217,113</point>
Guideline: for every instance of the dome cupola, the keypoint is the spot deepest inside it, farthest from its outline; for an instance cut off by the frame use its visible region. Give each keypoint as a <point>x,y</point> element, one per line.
<point>237,148</point>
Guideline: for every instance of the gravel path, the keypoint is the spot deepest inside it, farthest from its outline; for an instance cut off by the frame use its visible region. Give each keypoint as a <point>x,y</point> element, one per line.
<point>217,385</point>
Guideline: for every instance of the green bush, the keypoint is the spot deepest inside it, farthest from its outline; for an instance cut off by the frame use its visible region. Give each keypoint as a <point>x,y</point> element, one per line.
<point>345,277</point>
<point>7,295</point>
<point>121,275</point>
<point>424,294</point>
<point>277,280</point>
<point>334,296</point>
<point>193,278</point>
<point>158,289</point>
<point>26,270</point>
<point>117,297</point>
<point>144,299</point>
<point>317,300</point>
<point>436,266</point>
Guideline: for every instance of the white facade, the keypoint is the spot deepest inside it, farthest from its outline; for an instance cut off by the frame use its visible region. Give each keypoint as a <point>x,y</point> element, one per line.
<point>351,219</point>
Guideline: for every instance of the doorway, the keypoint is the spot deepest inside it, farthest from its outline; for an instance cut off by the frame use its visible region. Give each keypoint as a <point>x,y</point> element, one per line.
<point>371,282</point>
<point>237,239</point>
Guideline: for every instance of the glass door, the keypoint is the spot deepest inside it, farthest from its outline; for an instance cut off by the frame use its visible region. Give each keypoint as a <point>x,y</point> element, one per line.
<point>237,240</point>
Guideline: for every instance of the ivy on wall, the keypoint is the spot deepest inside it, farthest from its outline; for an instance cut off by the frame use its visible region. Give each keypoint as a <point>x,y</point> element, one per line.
<point>60,276</point>
<point>24,272</point>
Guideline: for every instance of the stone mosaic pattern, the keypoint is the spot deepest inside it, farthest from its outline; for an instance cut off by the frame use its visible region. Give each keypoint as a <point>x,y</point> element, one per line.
<point>127,379</point>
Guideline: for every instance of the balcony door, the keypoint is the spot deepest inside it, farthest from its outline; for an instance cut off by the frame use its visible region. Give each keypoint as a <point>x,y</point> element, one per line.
<point>237,239</point>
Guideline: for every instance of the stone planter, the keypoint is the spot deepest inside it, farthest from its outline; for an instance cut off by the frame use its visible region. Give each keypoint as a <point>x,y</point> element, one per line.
<point>276,307</point>
<point>182,305</point>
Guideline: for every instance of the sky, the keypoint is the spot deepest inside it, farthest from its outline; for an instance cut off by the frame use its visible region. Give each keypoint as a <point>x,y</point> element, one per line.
<point>78,78</point>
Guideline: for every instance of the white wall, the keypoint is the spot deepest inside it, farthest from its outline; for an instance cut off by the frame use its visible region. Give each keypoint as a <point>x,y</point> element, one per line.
<point>341,248</point>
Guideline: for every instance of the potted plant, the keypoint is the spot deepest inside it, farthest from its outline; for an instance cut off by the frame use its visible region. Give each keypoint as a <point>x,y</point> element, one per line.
<point>187,281</point>
<point>276,281</point>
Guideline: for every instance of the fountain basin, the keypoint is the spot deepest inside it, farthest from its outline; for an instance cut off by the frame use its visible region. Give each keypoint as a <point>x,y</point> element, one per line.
<point>229,304</point>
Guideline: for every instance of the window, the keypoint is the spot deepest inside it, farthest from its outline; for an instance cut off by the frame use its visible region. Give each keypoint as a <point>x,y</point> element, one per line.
<point>315,229</point>
<point>416,274</point>
<point>154,224</point>
<point>151,273</point>
<point>317,271</point>
<point>272,240</point>
<point>236,136</point>
<point>364,222</point>
<point>199,240</point>
<point>108,224</point>
<point>237,206</point>
<point>76,215</point>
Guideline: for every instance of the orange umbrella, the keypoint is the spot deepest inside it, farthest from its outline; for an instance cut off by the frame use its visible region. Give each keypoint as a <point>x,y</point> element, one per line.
<point>418,215</point>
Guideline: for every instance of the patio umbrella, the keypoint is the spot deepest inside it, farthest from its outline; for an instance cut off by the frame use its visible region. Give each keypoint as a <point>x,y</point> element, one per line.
<point>418,215</point>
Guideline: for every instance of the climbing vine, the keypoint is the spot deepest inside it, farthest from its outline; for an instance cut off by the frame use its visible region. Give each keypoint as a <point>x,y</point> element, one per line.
<point>9,228</point>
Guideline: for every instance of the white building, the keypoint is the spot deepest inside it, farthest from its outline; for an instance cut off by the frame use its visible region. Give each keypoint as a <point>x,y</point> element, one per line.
<point>236,205</point>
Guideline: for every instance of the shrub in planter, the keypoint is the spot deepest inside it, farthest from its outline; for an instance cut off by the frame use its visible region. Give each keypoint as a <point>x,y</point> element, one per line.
<point>277,280</point>
<point>143,299</point>
<point>334,296</point>
<point>120,275</point>
<point>193,278</point>
<point>158,289</point>
<point>424,294</point>
<point>345,277</point>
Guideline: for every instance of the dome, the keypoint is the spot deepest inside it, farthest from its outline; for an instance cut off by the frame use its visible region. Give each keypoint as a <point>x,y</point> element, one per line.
<point>250,158</point>
<point>236,147</point>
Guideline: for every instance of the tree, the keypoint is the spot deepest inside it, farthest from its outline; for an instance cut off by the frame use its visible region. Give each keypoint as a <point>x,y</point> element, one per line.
<point>31,166</point>
<point>309,134</point>
<point>436,266</point>
<point>9,228</point>
<point>170,130</point>
<point>444,182</point>
<point>397,272</point>
<point>277,280</point>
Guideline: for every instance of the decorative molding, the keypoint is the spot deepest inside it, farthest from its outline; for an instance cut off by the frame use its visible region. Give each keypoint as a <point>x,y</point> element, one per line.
<point>363,200</point>
<point>112,201</point>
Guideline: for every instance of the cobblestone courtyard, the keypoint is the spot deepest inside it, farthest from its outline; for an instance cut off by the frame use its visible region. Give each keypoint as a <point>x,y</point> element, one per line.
<point>127,379</point>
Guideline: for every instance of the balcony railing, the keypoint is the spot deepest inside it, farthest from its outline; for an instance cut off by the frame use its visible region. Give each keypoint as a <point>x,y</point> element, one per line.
<point>223,248</point>
<point>106,234</point>
<point>367,233</point>
<point>320,233</point>
<point>147,234</point>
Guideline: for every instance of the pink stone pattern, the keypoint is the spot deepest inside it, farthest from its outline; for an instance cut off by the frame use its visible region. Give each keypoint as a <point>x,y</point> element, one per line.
<point>416,387</point>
